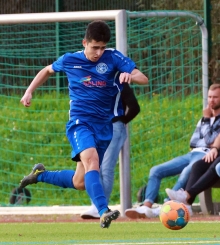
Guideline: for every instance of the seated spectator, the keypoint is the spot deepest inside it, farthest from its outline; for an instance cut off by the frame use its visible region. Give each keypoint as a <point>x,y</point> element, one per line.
<point>206,131</point>
<point>203,176</point>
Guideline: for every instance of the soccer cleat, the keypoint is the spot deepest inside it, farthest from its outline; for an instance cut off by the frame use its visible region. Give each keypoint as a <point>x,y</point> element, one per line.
<point>91,213</point>
<point>107,217</point>
<point>32,177</point>
<point>179,195</point>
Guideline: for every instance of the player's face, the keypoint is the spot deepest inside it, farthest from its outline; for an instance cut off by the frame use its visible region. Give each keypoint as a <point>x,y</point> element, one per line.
<point>214,99</point>
<point>93,50</point>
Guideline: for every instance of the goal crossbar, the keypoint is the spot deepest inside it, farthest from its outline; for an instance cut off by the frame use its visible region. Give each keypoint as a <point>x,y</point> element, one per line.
<point>119,16</point>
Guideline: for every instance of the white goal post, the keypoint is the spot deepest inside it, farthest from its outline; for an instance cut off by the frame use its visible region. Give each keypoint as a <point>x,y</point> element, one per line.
<point>120,17</point>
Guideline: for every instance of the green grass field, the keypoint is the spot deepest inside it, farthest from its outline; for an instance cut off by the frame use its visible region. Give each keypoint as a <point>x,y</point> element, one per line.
<point>139,232</point>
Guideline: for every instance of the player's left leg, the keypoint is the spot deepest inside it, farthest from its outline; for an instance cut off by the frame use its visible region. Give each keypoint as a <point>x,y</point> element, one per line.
<point>62,178</point>
<point>78,178</point>
<point>90,160</point>
<point>108,166</point>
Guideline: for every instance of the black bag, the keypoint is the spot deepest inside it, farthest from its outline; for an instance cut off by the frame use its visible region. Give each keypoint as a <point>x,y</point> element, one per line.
<point>19,196</point>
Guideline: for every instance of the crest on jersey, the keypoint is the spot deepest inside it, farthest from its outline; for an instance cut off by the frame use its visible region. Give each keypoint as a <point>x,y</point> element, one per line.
<point>101,68</point>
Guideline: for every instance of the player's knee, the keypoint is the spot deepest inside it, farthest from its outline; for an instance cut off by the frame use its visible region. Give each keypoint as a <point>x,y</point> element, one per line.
<point>90,159</point>
<point>79,186</point>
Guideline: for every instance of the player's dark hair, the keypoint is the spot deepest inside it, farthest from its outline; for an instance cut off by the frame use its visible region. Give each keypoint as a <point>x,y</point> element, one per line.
<point>99,31</point>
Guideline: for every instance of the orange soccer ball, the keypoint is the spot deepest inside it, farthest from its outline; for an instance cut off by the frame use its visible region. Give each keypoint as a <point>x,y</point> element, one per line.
<point>174,215</point>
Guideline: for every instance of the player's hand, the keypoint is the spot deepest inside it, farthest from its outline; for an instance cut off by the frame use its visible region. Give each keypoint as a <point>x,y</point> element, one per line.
<point>26,99</point>
<point>125,77</point>
<point>211,155</point>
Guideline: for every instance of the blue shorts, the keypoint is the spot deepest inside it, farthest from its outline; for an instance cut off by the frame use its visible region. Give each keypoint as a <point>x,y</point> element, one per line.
<point>84,135</point>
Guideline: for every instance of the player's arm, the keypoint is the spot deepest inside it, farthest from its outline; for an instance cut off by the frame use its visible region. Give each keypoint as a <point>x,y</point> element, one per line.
<point>136,76</point>
<point>40,78</point>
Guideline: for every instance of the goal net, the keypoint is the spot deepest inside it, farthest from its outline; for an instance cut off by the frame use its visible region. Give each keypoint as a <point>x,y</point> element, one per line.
<point>167,49</point>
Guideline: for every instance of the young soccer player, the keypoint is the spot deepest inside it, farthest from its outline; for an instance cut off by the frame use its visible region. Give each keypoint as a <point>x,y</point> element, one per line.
<point>92,88</point>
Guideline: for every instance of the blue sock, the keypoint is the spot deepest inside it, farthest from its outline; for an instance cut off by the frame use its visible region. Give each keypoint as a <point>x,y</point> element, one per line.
<point>61,178</point>
<point>95,191</point>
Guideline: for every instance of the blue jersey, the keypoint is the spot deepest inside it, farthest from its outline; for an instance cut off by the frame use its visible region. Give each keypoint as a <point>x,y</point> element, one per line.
<point>93,86</point>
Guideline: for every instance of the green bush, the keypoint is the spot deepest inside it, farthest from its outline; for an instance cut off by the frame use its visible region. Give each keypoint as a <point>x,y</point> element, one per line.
<point>160,132</point>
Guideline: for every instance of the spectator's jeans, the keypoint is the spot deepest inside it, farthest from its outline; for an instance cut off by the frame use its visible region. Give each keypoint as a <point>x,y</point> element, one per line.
<point>181,164</point>
<point>111,157</point>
